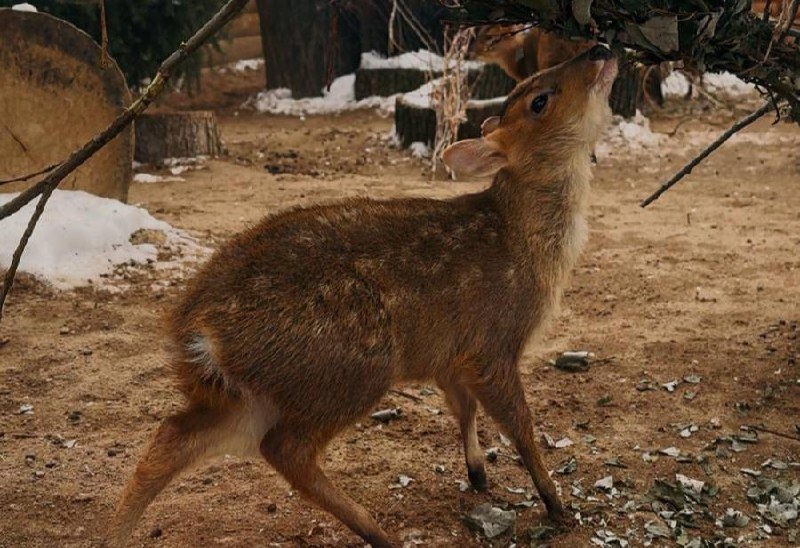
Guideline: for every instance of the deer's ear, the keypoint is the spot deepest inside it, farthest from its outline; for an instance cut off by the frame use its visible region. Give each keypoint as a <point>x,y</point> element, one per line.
<point>474,158</point>
<point>489,125</point>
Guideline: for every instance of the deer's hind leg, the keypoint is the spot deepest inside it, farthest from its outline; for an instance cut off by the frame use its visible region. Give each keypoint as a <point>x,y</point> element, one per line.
<point>181,441</point>
<point>295,458</point>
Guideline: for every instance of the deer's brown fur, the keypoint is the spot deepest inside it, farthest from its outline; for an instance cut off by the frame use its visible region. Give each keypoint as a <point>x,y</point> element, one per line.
<point>299,326</point>
<point>521,52</point>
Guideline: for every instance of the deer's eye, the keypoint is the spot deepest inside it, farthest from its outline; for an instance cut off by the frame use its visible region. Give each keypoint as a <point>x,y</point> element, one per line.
<point>538,104</point>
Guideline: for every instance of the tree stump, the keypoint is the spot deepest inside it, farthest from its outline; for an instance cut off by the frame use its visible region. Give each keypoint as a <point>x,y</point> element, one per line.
<point>54,97</point>
<point>417,123</point>
<point>187,134</point>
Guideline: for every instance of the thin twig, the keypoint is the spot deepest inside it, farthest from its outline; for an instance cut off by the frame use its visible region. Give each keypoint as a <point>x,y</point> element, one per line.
<point>51,167</point>
<point>687,169</point>
<point>46,186</point>
<point>773,432</point>
<point>406,395</point>
<point>8,281</point>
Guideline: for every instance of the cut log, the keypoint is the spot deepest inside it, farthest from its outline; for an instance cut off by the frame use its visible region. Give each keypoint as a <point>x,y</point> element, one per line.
<point>187,134</point>
<point>54,97</point>
<point>416,123</point>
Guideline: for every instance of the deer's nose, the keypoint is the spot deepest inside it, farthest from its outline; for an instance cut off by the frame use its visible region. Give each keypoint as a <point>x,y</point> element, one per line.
<point>600,53</point>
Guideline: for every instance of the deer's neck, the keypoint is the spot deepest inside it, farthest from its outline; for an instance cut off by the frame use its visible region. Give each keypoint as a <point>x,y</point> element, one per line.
<point>546,214</point>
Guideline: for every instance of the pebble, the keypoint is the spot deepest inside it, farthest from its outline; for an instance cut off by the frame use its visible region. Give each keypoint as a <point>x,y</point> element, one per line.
<point>156,533</point>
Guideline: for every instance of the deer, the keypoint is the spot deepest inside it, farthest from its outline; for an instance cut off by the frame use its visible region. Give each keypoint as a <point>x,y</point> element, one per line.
<point>298,326</point>
<point>521,51</point>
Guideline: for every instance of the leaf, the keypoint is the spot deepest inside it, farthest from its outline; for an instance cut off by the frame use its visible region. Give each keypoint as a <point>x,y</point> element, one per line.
<point>490,520</point>
<point>657,529</point>
<point>567,467</point>
<point>662,32</point>
<point>604,484</point>
<point>563,442</point>
<point>582,11</point>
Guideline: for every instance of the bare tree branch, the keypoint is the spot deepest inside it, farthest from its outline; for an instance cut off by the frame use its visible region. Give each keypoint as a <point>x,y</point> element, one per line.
<point>29,175</point>
<point>45,187</point>
<point>687,169</point>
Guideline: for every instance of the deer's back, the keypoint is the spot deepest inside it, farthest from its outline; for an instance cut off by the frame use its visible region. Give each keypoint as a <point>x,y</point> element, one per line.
<point>355,296</point>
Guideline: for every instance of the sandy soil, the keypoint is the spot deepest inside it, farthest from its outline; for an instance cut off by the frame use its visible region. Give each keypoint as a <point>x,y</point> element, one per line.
<point>704,282</point>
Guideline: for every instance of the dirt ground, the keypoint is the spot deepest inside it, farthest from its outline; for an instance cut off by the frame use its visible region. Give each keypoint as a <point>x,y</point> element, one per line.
<point>702,286</point>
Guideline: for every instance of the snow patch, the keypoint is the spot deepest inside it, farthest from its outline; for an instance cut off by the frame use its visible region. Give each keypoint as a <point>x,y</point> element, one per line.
<point>149,178</point>
<point>725,83</point>
<point>340,98</point>
<point>419,150</point>
<point>81,237</point>
<point>413,60</point>
<point>422,97</point>
<point>675,85</point>
<point>24,7</point>
<point>244,65</point>
<point>633,136</point>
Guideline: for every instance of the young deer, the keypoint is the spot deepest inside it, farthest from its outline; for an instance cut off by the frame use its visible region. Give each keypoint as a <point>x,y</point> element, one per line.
<point>521,53</point>
<point>299,326</point>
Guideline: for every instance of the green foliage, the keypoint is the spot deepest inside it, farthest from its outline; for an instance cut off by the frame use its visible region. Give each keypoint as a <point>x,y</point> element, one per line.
<point>705,35</point>
<point>141,33</point>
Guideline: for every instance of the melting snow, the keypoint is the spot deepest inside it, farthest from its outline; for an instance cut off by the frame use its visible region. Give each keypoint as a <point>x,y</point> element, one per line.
<point>414,60</point>
<point>81,237</point>
<point>340,98</point>
<point>634,135</point>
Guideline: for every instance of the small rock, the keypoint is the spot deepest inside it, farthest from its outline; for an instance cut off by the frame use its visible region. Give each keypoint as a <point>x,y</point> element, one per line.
<point>272,508</point>
<point>156,533</point>
<point>25,409</point>
<point>492,454</point>
<point>573,362</point>
<point>404,480</point>
<point>82,497</point>
<point>39,474</point>
<point>387,415</point>
<point>30,459</point>
<point>439,469</point>
<point>64,330</point>
<point>86,351</point>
